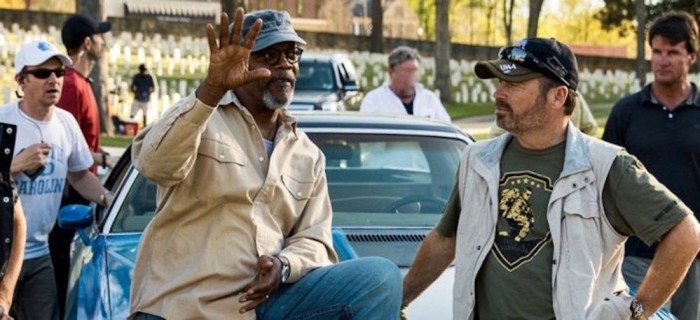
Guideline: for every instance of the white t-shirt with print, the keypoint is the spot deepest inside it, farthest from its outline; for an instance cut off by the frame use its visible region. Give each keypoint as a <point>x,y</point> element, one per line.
<point>41,197</point>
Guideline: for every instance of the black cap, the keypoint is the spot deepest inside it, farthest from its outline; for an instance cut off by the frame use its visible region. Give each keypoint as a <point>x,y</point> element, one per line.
<point>142,67</point>
<point>556,61</point>
<point>78,27</point>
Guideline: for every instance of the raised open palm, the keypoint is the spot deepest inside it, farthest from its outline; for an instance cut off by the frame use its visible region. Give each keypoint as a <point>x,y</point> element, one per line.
<point>228,61</point>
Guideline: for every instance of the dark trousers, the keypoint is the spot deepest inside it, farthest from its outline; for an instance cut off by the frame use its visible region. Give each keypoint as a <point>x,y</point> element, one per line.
<point>146,316</point>
<point>35,293</point>
<point>59,246</point>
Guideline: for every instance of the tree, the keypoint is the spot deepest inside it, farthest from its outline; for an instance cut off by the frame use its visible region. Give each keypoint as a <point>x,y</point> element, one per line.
<point>376,36</point>
<point>229,6</point>
<point>96,10</point>
<point>617,12</point>
<point>534,18</point>
<point>641,59</point>
<point>442,49</point>
<point>508,20</point>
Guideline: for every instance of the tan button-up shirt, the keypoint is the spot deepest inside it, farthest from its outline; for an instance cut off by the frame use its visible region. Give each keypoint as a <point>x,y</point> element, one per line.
<point>221,204</point>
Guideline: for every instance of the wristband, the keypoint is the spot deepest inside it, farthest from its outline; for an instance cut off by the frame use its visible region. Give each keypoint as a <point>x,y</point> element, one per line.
<point>104,160</point>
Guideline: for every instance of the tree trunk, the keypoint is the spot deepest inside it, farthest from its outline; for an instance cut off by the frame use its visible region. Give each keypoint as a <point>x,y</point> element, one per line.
<point>377,34</point>
<point>534,18</point>
<point>230,6</point>
<point>442,49</point>
<point>641,13</point>
<point>99,74</point>
<point>508,20</point>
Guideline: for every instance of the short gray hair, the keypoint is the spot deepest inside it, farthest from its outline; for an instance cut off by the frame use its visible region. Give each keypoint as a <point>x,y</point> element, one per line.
<point>401,54</point>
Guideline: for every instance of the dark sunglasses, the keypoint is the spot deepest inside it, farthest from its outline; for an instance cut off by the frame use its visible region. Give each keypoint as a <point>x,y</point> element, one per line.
<point>520,56</point>
<point>272,56</point>
<point>45,73</point>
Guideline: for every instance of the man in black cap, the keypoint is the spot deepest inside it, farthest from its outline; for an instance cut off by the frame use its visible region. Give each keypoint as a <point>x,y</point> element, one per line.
<point>538,218</point>
<point>82,37</point>
<point>243,222</point>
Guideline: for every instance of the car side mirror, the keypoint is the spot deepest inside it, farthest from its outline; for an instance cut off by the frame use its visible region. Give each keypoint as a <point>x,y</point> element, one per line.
<point>75,216</point>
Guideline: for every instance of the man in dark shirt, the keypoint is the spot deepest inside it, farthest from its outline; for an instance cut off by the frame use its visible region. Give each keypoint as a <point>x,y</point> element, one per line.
<point>142,86</point>
<point>661,126</point>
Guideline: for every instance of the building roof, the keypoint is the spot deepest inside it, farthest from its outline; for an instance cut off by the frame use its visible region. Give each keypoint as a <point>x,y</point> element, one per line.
<point>173,8</point>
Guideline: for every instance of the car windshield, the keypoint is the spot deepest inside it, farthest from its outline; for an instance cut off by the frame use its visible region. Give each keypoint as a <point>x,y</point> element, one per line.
<point>373,180</point>
<point>315,76</point>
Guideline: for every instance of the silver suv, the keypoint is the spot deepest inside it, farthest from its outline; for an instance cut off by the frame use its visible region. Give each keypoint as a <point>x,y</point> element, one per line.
<point>326,82</point>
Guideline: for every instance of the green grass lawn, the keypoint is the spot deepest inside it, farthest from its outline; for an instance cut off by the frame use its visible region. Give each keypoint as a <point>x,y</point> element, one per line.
<point>462,110</point>
<point>120,141</point>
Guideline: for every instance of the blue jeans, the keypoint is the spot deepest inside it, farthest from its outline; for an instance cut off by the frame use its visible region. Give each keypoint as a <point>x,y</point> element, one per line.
<point>365,288</point>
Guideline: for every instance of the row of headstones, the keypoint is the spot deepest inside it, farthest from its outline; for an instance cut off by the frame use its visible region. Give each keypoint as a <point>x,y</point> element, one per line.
<point>168,56</point>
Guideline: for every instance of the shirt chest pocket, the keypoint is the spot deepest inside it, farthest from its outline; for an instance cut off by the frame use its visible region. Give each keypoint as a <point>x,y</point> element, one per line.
<point>221,152</point>
<point>582,223</point>
<point>298,190</point>
<point>220,164</point>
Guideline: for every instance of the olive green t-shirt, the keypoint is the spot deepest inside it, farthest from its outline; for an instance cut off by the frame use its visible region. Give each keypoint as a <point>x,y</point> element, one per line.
<point>515,281</point>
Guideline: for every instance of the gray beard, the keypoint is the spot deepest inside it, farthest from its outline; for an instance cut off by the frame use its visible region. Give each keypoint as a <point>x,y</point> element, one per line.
<point>273,103</point>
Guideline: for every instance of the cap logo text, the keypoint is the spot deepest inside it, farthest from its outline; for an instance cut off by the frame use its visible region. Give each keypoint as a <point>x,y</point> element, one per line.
<point>507,68</point>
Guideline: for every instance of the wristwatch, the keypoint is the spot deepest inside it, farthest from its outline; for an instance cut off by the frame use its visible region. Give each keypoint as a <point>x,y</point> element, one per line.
<point>637,309</point>
<point>285,271</point>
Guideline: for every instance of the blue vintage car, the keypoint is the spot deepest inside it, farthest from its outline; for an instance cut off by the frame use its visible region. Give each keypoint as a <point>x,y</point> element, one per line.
<point>388,179</point>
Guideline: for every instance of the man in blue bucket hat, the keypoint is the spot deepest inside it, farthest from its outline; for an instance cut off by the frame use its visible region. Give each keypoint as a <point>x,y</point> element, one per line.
<point>242,231</point>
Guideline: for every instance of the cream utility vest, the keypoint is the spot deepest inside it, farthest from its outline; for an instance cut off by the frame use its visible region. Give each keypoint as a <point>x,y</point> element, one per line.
<point>587,279</point>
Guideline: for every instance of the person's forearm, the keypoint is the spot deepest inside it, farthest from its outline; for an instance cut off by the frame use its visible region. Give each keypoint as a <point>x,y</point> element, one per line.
<point>87,185</point>
<point>673,257</point>
<point>7,285</point>
<point>434,256</point>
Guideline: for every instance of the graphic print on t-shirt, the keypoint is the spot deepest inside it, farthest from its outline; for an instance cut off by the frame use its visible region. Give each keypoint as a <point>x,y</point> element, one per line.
<point>522,225</point>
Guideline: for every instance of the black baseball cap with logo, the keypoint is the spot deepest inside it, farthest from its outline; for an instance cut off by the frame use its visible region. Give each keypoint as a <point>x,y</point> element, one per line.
<point>532,58</point>
<point>78,27</point>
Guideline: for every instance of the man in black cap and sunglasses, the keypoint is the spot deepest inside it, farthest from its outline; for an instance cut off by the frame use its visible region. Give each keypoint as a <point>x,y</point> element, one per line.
<point>49,151</point>
<point>243,221</point>
<point>537,222</point>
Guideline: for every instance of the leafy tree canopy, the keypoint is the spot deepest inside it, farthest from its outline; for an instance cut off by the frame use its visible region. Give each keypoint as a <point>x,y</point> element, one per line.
<point>617,14</point>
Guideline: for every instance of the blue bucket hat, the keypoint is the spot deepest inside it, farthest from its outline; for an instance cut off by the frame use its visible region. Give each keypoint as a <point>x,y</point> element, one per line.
<point>276,28</point>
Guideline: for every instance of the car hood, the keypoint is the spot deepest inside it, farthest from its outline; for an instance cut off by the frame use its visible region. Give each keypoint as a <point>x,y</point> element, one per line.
<point>311,96</point>
<point>399,245</point>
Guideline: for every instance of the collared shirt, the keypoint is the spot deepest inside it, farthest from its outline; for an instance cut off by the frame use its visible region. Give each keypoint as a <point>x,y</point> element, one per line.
<point>78,99</point>
<point>222,203</point>
<point>666,141</point>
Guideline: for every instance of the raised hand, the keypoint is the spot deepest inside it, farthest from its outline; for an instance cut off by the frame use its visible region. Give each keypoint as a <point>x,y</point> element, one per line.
<point>30,159</point>
<point>228,60</point>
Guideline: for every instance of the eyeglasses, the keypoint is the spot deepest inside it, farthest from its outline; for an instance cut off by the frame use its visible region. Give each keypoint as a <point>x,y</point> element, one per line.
<point>520,56</point>
<point>45,73</point>
<point>272,56</point>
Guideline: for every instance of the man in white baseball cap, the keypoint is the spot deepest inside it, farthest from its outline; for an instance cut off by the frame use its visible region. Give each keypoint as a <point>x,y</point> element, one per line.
<point>37,52</point>
<point>49,148</point>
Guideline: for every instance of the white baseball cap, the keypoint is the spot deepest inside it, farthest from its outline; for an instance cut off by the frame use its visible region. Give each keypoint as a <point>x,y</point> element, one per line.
<point>37,52</point>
